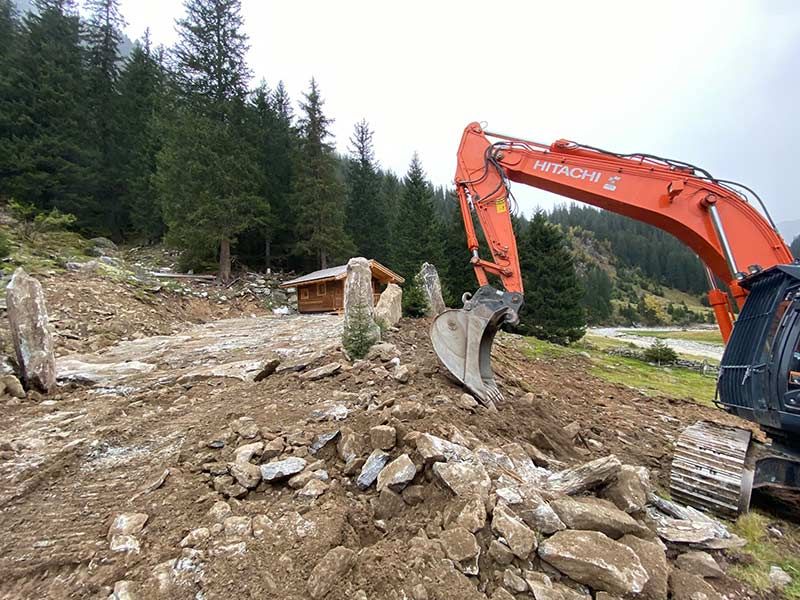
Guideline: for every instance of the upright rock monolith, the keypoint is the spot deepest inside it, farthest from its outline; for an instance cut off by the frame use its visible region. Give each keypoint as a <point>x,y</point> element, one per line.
<point>432,288</point>
<point>360,329</point>
<point>31,332</point>
<point>390,305</point>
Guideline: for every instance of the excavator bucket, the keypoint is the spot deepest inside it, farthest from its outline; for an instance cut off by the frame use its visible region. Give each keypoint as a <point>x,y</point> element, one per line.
<point>463,338</point>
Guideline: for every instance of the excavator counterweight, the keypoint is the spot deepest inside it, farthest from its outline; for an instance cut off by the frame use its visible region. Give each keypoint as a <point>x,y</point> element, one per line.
<point>741,248</point>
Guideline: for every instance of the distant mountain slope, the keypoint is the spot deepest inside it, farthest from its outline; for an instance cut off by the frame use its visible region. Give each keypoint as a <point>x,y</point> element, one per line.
<point>789,230</point>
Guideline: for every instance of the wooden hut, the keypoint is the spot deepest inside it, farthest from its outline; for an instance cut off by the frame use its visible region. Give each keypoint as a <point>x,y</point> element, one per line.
<point>323,291</point>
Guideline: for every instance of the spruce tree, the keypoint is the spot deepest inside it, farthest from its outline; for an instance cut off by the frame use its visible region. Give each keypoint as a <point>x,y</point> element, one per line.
<point>367,217</point>
<point>318,194</point>
<point>417,235</point>
<point>208,177</point>
<point>103,36</point>
<point>44,143</point>
<point>553,293</point>
<point>796,247</point>
<point>597,289</point>
<point>141,87</point>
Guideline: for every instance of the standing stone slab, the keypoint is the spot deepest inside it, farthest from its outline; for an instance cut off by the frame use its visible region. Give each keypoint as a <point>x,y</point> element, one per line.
<point>30,331</point>
<point>432,288</point>
<point>390,305</point>
<point>358,301</point>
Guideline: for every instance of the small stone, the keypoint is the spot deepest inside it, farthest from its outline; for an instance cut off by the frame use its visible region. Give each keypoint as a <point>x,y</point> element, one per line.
<point>320,372</point>
<point>435,449</point>
<point>464,479</point>
<point>12,387</point>
<point>519,537</point>
<point>383,350</point>
<point>219,511</point>
<point>397,474</point>
<point>686,586</point>
<point>245,453</point>
<point>514,582</point>
<point>541,586</point>
<point>238,527</point>
<point>328,571</point>
<point>373,466</point>
<point>500,553</point>
<point>228,487</point>
<point>699,563</point>
<point>469,514</point>
<point>262,525</point>
<point>462,548</point>
<point>778,577</point>
<point>124,543</point>
<point>383,437</point>
<point>124,590</point>
<point>195,537</point>
<point>418,592</point>
<point>275,471</point>
<point>349,447</point>
<point>273,448</point>
<point>414,494</point>
<point>245,427</point>
<point>408,411</point>
<point>401,373</point>
<point>313,489</point>
<point>127,524</point>
<point>388,504</point>
<point>467,402</point>
<point>322,440</point>
<point>246,474</point>
<point>301,479</point>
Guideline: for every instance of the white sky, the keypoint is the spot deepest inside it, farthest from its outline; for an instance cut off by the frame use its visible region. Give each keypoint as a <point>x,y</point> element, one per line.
<point>713,83</point>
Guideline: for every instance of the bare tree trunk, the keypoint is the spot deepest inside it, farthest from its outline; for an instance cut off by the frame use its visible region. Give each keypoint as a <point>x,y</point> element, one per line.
<point>323,260</point>
<point>224,275</point>
<point>267,255</point>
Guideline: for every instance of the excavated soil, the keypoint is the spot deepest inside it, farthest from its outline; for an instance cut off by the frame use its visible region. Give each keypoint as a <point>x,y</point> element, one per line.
<point>143,443</point>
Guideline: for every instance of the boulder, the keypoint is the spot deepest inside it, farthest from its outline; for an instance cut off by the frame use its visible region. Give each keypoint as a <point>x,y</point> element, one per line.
<point>389,309</point>
<point>246,452</point>
<point>594,559</point>
<point>31,333</point>
<point>435,449</point>
<point>462,548</point>
<point>699,563</point>
<point>328,571</point>
<point>520,538</point>
<point>654,561</point>
<point>594,514</point>
<point>360,327</point>
<point>432,288</point>
<point>686,586</point>
<point>397,474</point>
<point>629,490</point>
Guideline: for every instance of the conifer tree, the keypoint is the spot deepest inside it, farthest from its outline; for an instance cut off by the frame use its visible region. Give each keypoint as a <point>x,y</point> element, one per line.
<point>553,293</point>
<point>367,217</point>
<point>43,147</point>
<point>141,86</point>
<point>318,194</point>
<point>102,39</point>
<point>209,181</point>
<point>597,296</point>
<point>796,247</point>
<point>417,236</point>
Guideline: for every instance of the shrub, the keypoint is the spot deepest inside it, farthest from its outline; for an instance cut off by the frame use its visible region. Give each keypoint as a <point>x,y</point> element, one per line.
<point>359,332</point>
<point>5,245</point>
<point>415,303</point>
<point>659,352</point>
<point>32,222</point>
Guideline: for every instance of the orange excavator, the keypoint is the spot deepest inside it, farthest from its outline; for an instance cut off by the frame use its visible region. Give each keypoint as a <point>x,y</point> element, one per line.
<point>714,467</point>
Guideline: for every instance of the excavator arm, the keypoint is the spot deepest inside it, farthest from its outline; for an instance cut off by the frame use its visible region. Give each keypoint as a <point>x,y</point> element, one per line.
<point>728,234</point>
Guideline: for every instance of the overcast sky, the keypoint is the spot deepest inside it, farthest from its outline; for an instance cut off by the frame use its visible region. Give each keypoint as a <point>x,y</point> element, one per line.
<point>711,83</point>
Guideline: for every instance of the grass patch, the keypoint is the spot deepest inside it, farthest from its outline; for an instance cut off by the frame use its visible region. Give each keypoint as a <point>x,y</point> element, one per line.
<point>765,553</point>
<point>673,382</point>
<point>710,336</point>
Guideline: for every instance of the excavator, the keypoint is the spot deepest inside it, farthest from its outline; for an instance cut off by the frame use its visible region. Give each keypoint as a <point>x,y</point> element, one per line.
<point>715,467</point>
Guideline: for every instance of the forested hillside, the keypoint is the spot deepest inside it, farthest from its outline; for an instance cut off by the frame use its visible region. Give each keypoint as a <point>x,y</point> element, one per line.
<point>796,247</point>
<point>180,145</point>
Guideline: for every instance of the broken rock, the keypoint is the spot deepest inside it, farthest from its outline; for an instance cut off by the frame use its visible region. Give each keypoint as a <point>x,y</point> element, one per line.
<point>699,563</point>
<point>686,586</point>
<point>320,372</point>
<point>584,477</point>
<point>520,538</point>
<point>465,479</point>
<point>389,309</point>
<point>383,437</point>
<point>397,474</point>
<point>375,463</point>
<point>246,474</point>
<point>462,548</point>
<point>654,561</point>
<point>333,566</point>
<point>282,469</point>
<point>31,332</point>
<point>594,514</point>
<point>629,491</point>
<point>127,524</point>
<point>594,559</point>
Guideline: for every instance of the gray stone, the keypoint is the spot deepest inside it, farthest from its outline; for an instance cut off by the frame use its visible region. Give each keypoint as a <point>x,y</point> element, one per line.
<point>594,559</point>
<point>594,514</point>
<point>245,427</point>
<point>389,309</point>
<point>578,479</point>
<point>31,333</point>
<point>699,563</point>
<point>686,586</point>
<point>401,373</point>
<point>376,461</point>
<point>313,489</point>
<point>435,449</point>
<point>432,288</point>
<point>123,543</point>
<point>322,440</point>
<point>520,538</point>
<point>282,469</point>
<point>541,587</point>
<point>359,309</point>
<point>238,527</point>
<point>629,490</point>
<point>246,474</point>
<point>465,479</point>
<point>328,571</point>
<point>654,561</point>
<point>127,524</point>
<point>195,537</point>
<point>320,372</point>
<point>124,590</point>
<point>778,577</point>
<point>349,447</point>
<point>245,453</point>
<point>383,437</point>
<point>462,548</point>
<point>397,474</point>
<point>538,514</point>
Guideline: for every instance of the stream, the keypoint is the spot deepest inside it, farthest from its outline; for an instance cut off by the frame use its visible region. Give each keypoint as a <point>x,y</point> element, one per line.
<point>642,340</point>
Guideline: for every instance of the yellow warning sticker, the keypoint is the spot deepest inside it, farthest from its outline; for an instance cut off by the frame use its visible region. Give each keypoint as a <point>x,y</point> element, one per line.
<point>502,206</point>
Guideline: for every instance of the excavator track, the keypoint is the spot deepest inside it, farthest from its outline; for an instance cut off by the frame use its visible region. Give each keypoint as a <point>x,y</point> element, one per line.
<point>712,470</point>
